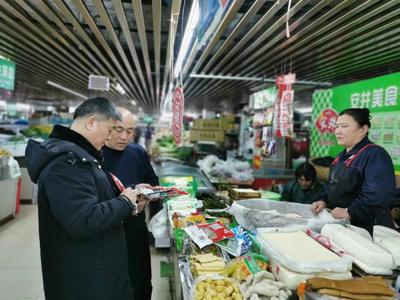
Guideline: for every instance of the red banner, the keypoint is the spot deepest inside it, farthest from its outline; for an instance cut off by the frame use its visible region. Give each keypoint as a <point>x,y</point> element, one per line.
<point>177,114</point>
<point>283,119</point>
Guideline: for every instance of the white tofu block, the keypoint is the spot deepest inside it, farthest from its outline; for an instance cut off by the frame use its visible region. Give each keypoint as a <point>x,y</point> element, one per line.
<point>368,256</point>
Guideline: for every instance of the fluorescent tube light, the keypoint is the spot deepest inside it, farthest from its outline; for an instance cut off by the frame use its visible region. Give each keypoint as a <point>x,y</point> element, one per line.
<point>63,88</point>
<point>120,89</point>
<point>190,30</point>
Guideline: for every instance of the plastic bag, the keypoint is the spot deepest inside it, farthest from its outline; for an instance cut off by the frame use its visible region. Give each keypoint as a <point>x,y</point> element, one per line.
<point>361,231</point>
<point>255,213</point>
<point>243,176</point>
<point>158,224</point>
<point>15,171</point>
<point>388,239</point>
<point>208,162</point>
<point>368,256</point>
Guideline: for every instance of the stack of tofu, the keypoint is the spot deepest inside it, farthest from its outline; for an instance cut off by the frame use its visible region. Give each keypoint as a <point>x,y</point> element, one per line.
<point>295,257</point>
<point>206,263</point>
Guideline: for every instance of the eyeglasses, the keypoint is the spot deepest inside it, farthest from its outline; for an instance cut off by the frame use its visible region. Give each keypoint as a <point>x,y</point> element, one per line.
<point>120,129</point>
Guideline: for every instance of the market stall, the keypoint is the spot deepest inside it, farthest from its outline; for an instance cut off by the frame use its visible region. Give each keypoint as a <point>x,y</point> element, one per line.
<point>268,249</point>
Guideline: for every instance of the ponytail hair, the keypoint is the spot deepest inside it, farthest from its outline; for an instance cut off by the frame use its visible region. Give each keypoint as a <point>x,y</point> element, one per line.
<point>360,115</point>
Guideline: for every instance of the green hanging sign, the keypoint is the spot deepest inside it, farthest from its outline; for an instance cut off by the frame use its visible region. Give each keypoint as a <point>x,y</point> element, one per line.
<point>7,74</point>
<point>381,95</point>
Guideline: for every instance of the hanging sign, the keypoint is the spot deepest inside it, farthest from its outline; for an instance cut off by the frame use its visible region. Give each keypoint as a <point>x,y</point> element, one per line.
<point>283,121</point>
<point>286,113</point>
<point>177,114</point>
<point>7,74</point>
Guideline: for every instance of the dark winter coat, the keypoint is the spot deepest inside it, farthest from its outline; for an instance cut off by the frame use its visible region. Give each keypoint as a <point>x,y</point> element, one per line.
<point>82,244</point>
<point>363,181</point>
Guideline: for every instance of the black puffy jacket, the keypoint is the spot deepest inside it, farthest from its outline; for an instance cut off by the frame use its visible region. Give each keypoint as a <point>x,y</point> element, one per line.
<point>82,244</point>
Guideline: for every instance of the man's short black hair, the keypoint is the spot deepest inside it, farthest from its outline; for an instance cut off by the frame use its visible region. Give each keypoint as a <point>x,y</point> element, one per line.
<point>307,170</point>
<point>99,106</point>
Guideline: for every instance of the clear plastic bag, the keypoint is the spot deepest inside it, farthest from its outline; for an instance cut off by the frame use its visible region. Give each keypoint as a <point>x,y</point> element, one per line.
<point>389,240</point>
<point>242,176</point>
<point>255,213</point>
<point>368,256</point>
<point>158,224</point>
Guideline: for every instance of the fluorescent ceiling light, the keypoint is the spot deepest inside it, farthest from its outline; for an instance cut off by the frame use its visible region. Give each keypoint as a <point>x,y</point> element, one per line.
<point>304,110</point>
<point>72,109</point>
<point>190,30</point>
<point>120,89</point>
<point>133,102</point>
<point>63,88</point>
<point>3,105</point>
<point>23,107</point>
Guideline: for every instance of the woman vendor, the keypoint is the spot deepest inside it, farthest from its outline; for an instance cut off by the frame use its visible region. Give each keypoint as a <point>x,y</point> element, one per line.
<point>361,178</point>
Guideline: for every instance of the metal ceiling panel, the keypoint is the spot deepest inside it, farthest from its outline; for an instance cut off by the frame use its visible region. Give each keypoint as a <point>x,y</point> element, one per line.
<point>138,11</point>
<point>119,9</point>
<point>130,42</point>
<point>175,12</point>
<point>156,4</point>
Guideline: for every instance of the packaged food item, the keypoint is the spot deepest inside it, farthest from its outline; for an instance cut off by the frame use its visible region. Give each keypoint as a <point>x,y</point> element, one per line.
<point>238,245</point>
<point>245,266</point>
<point>183,204</point>
<point>183,221</point>
<point>182,183</point>
<point>215,287</point>
<point>206,263</point>
<point>207,234</point>
<point>180,235</point>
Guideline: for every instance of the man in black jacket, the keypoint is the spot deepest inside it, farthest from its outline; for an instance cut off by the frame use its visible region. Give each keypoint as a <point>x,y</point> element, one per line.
<point>82,243</point>
<point>131,164</point>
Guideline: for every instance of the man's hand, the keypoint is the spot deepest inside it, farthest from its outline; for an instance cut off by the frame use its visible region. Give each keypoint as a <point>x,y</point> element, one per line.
<point>142,198</point>
<point>142,186</point>
<point>141,206</point>
<point>318,206</point>
<point>131,194</point>
<point>340,213</point>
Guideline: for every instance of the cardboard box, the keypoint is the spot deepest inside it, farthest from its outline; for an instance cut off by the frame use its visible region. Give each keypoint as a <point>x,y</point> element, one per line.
<point>211,124</point>
<point>229,118</point>
<point>239,194</point>
<point>205,135</point>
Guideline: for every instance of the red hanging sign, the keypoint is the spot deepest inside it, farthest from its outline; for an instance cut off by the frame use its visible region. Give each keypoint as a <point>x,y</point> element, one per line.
<point>177,114</point>
<point>283,120</point>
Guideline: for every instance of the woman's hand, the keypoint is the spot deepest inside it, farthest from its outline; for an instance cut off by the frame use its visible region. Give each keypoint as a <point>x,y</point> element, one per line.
<point>340,213</point>
<point>318,206</point>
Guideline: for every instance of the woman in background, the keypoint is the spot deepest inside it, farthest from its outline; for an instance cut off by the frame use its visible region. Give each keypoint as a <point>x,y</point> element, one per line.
<point>305,189</point>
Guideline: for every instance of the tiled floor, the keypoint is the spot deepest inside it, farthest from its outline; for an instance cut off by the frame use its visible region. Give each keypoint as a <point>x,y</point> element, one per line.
<point>20,272</point>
